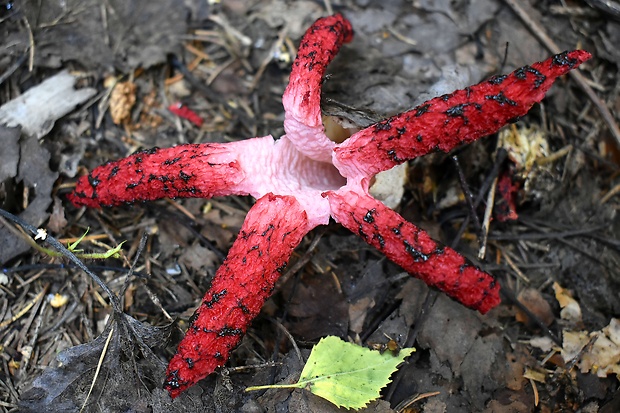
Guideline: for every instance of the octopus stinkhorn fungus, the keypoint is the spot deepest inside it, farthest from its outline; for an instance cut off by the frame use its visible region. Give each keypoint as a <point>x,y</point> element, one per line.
<point>303,179</point>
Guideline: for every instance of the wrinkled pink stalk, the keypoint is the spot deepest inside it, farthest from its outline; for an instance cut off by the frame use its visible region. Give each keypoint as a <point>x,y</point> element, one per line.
<point>303,179</point>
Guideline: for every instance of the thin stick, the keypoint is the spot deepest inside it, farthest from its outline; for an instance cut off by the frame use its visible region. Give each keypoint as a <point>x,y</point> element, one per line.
<point>486,222</point>
<point>103,353</point>
<point>328,7</point>
<point>291,339</point>
<point>30,44</point>
<point>613,191</point>
<point>269,57</point>
<point>24,310</point>
<point>514,267</point>
<point>467,194</point>
<point>535,391</point>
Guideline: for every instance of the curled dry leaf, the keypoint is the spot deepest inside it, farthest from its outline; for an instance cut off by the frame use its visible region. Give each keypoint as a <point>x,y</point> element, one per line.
<point>122,100</point>
<point>571,311</point>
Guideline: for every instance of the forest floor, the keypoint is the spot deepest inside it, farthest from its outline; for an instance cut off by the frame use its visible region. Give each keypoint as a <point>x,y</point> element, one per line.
<point>553,345</point>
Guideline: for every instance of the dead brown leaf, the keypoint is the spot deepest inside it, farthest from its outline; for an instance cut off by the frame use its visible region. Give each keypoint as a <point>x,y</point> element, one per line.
<point>35,174</point>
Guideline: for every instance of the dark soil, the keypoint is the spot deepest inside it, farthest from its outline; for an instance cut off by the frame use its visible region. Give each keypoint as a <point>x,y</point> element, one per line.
<point>229,62</point>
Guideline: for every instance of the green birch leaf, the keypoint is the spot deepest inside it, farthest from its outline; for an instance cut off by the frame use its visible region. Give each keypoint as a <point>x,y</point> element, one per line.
<point>346,374</point>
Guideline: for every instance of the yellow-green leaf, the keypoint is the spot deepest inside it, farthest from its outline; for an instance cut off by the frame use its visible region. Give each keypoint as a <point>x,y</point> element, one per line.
<point>72,246</point>
<point>346,374</point>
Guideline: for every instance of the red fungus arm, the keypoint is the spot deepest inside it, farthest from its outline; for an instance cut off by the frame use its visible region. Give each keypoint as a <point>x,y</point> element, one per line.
<point>272,229</point>
<point>414,250</point>
<point>302,97</point>
<point>203,171</point>
<point>445,122</point>
<point>184,112</point>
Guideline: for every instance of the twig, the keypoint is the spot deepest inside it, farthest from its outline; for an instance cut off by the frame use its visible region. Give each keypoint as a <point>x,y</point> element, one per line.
<point>210,94</point>
<point>181,208</point>
<point>538,224</point>
<point>27,308</point>
<point>510,296</point>
<point>535,391</point>
<point>291,339</point>
<point>488,181</point>
<point>486,221</point>
<point>401,37</point>
<point>30,45</point>
<point>269,57</point>
<point>230,30</point>
<point>607,6</point>
<point>613,191</point>
<point>530,236</point>
<point>467,193</point>
<point>301,261</point>
<point>71,256</point>
<point>132,267</point>
<point>544,38</point>
<point>407,403</point>
<point>29,348</point>
<point>103,353</point>
<point>585,349</point>
<point>328,7</point>
<point>60,266</point>
<point>514,267</point>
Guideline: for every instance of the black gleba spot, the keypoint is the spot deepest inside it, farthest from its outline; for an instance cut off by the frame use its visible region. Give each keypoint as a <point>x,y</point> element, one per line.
<point>369,218</point>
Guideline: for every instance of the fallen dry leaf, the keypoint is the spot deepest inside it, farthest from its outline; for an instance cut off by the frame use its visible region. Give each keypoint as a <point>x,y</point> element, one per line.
<point>533,300</point>
<point>571,311</point>
<point>57,221</point>
<point>41,106</point>
<point>603,358</point>
<point>35,174</point>
<point>120,386</point>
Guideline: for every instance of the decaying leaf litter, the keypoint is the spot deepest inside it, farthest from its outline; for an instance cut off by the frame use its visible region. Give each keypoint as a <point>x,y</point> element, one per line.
<point>361,284</point>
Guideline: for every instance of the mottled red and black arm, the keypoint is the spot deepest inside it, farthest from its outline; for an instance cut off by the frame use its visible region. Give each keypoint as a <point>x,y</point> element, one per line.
<point>318,47</point>
<point>272,229</point>
<point>192,170</point>
<point>302,98</point>
<point>447,121</point>
<point>414,250</point>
